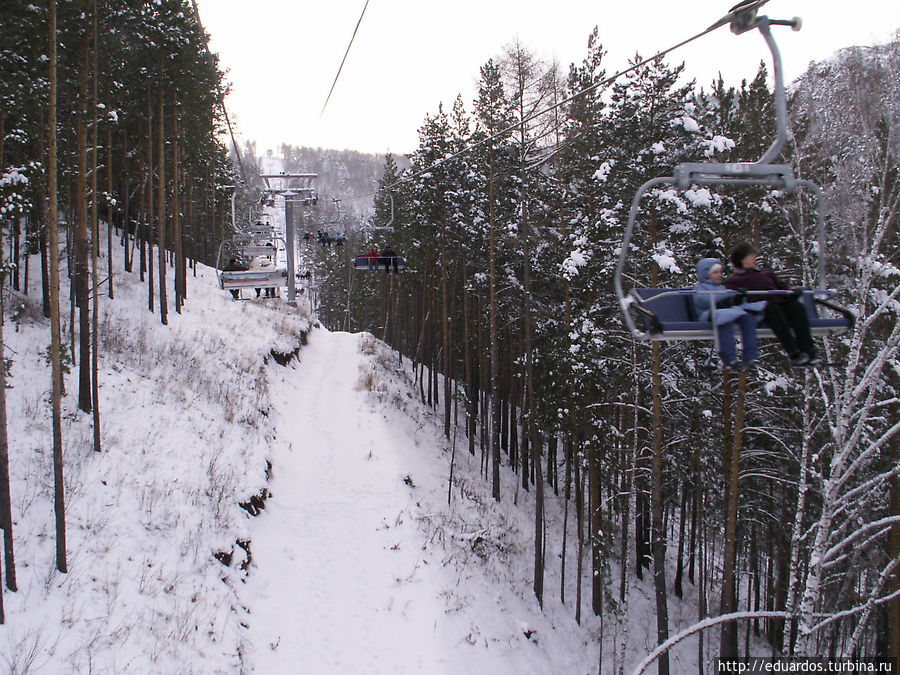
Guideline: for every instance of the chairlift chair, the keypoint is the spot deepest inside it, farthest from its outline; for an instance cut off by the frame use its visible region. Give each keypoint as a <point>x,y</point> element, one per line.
<point>241,247</point>
<point>667,314</point>
<point>364,262</point>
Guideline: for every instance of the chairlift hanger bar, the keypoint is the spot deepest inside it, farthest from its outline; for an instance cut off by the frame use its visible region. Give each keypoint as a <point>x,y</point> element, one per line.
<point>270,179</point>
<point>289,191</point>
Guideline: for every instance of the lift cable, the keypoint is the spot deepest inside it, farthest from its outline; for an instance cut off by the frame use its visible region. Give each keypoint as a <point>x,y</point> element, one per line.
<point>576,95</point>
<point>344,60</point>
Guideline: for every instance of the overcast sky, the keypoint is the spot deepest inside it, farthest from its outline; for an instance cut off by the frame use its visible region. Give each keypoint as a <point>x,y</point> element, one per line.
<point>411,55</point>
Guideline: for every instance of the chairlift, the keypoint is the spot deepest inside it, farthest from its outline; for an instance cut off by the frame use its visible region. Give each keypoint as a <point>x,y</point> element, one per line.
<point>667,314</point>
<point>245,248</point>
<point>385,262</point>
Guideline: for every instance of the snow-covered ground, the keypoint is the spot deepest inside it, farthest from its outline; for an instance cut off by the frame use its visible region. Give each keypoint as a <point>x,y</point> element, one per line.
<point>351,573</point>
<point>357,564</point>
<point>185,439</point>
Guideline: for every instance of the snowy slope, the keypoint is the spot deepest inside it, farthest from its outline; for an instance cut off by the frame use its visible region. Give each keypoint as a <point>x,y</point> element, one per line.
<point>354,570</point>
<point>185,440</point>
<point>357,564</point>
<point>361,566</point>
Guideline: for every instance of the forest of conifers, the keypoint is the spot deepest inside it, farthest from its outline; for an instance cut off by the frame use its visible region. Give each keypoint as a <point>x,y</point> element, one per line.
<point>507,310</point>
<point>511,250</point>
<point>114,116</point>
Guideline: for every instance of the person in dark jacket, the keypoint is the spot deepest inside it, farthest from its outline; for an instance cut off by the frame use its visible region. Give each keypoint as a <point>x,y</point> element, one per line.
<point>784,314</point>
<point>389,259</point>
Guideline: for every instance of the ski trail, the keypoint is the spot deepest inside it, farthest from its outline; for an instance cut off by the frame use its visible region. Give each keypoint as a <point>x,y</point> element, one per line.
<point>334,587</point>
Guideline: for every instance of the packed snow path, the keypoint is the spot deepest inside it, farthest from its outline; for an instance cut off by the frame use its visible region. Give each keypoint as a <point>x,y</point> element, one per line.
<point>334,586</point>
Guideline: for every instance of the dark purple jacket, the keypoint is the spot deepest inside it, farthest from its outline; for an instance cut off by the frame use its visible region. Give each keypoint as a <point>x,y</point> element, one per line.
<point>758,279</point>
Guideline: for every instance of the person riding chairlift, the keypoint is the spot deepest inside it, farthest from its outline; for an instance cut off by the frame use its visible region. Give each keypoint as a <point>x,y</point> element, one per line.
<point>730,309</point>
<point>784,314</point>
<point>372,256</point>
<point>389,259</point>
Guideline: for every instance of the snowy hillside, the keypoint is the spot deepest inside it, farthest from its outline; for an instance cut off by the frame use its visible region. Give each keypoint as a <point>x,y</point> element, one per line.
<point>186,435</point>
<point>354,564</point>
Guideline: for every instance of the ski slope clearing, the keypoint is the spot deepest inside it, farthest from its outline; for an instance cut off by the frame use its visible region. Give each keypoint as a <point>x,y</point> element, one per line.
<point>356,567</point>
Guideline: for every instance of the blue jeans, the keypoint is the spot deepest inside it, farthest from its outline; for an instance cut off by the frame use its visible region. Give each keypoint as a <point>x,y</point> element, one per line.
<point>727,348</point>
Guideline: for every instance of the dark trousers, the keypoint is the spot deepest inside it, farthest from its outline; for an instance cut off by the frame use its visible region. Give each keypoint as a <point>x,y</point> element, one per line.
<point>790,324</point>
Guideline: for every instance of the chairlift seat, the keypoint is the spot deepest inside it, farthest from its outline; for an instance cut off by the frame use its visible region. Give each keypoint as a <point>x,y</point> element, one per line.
<point>780,176</point>
<point>257,250</point>
<point>258,231</point>
<point>366,263</point>
<point>235,279</point>
<point>668,314</point>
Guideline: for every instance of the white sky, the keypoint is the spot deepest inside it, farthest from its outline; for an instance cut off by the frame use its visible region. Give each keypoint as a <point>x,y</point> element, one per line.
<point>410,55</point>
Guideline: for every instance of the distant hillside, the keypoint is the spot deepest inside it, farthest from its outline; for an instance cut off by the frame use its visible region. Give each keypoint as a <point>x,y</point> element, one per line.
<point>839,108</point>
<point>343,174</point>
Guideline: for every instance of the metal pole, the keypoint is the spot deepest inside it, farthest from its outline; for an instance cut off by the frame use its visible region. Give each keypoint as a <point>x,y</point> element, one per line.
<point>781,120</point>
<point>289,245</point>
<point>626,249</point>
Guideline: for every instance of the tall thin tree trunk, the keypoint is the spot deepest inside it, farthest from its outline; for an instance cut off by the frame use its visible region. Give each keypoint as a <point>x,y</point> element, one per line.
<point>658,533</point>
<point>495,340</point>
<point>579,519</point>
<point>729,635</point>
<point>82,300</point>
<point>176,221</point>
<point>109,214</point>
<point>595,518</point>
<point>148,226</point>
<point>567,494</point>
<point>56,369</point>
<point>16,252</point>
<point>894,547</point>
<point>679,562</point>
<point>445,326</point>
<point>539,542</point>
<point>5,501</point>
<point>795,569</point>
<point>126,214</point>
<point>161,210</point>
<point>95,247</point>
<point>42,232</point>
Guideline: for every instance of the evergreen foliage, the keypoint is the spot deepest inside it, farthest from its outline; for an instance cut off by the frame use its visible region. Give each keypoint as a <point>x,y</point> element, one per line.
<point>567,178</point>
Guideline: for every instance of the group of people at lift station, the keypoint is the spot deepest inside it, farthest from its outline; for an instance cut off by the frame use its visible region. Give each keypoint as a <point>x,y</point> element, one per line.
<point>780,306</point>
<point>388,258</point>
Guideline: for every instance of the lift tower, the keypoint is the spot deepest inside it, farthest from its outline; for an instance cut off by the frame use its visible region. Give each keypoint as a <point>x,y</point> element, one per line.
<point>295,189</point>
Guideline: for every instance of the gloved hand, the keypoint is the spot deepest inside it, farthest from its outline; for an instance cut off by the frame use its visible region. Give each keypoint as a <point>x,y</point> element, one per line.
<point>741,297</point>
<point>798,292</point>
